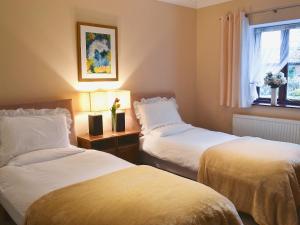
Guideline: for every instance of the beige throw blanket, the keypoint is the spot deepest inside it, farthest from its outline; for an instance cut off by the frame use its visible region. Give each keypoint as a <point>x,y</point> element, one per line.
<point>260,177</point>
<point>138,195</point>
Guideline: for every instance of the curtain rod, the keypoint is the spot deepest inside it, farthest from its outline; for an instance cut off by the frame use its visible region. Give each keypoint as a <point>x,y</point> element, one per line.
<point>275,10</point>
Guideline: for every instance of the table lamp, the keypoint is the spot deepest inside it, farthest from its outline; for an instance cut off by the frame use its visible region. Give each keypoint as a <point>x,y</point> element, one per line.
<point>118,100</point>
<point>98,103</point>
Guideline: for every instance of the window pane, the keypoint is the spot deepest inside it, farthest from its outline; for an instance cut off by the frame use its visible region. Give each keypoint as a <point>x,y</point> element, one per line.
<point>294,44</point>
<point>270,53</point>
<point>270,47</point>
<point>293,87</point>
<point>265,91</point>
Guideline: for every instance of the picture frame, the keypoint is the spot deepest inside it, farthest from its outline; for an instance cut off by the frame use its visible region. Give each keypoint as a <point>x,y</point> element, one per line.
<point>97,49</point>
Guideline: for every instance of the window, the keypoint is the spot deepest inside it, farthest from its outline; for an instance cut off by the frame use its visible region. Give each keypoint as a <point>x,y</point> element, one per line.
<point>278,49</point>
<point>293,86</point>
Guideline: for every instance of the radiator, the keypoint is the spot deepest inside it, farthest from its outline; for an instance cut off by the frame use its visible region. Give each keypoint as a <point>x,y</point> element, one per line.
<point>267,128</point>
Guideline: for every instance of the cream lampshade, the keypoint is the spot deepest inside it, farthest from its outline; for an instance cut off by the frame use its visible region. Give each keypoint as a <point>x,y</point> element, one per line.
<point>98,101</point>
<point>122,95</point>
<point>85,102</point>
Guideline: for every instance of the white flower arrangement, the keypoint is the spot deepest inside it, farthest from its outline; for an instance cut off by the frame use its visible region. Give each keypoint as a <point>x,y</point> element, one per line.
<point>275,80</point>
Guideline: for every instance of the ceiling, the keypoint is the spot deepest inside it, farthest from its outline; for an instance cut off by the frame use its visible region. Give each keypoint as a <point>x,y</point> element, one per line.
<point>195,3</point>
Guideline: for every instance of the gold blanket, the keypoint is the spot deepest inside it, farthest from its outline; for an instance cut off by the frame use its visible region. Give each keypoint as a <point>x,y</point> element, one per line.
<point>260,177</point>
<point>138,195</point>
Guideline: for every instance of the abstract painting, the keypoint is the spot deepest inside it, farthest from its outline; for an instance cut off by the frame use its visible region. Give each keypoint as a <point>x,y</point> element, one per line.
<point>97,52</point>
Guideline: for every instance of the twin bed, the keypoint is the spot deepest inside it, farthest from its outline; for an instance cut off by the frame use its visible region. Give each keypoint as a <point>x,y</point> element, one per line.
<point>260,177</point>
<point>63,184</point>
<point>68,185</point>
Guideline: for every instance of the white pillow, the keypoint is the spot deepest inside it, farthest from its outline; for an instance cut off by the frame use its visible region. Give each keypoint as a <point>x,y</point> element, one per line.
<point>38,112</point>
<point>19,135</point>
<point>157,114</point>
<point>144,101</point>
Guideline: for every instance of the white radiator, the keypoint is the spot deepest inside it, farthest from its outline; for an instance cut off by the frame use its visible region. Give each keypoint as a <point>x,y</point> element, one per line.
<point>267,128</point>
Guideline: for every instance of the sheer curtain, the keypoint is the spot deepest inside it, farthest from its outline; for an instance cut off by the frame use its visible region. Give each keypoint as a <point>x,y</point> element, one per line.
<point>247,55</point>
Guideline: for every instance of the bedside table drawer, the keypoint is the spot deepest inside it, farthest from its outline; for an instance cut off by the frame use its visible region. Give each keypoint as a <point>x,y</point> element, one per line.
<point>128,140</point>
<point>129,152</point>
<point>124,145</point>
<point>107,145</point>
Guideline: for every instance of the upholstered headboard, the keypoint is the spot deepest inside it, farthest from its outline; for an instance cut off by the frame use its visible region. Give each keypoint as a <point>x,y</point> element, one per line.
<point>139,96</point>
<point>65,103</point>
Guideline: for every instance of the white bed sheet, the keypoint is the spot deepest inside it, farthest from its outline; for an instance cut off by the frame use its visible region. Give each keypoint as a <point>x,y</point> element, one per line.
<point>183,148</point>
<point>21,185</point>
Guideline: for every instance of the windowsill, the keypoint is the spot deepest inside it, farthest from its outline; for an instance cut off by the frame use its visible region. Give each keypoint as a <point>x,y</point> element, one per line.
<point>277,106</point>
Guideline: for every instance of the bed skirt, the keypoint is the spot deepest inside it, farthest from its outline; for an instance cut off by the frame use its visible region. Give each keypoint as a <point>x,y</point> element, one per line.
<point>148,159</point>
<point>5,218</point>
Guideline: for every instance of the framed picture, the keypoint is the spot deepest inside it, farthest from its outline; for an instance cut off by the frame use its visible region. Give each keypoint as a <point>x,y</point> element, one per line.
<point>97,52</point>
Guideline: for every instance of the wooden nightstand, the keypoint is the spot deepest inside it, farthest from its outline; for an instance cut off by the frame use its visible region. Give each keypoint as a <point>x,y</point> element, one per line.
<point>124,145</point>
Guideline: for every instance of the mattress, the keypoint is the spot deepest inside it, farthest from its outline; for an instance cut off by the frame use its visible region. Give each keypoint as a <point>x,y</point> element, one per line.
<point>181,144</point>
<point>28,177</point>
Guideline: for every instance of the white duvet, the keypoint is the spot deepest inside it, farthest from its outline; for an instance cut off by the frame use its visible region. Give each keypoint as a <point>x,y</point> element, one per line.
<point>30,176</point>
<point>182,144</point>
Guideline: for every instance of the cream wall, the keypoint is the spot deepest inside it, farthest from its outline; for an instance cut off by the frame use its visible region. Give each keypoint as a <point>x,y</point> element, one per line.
<point>38,59</point>
<point>162,48</point>
<point>209,113</point>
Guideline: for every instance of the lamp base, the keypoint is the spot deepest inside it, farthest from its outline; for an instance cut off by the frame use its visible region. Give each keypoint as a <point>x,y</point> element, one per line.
<point>95,125</point>
<point>120,126</point>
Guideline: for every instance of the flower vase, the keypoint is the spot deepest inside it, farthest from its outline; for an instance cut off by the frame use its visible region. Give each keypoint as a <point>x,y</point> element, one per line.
<point>114,122</point>
<point>273,96</point>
